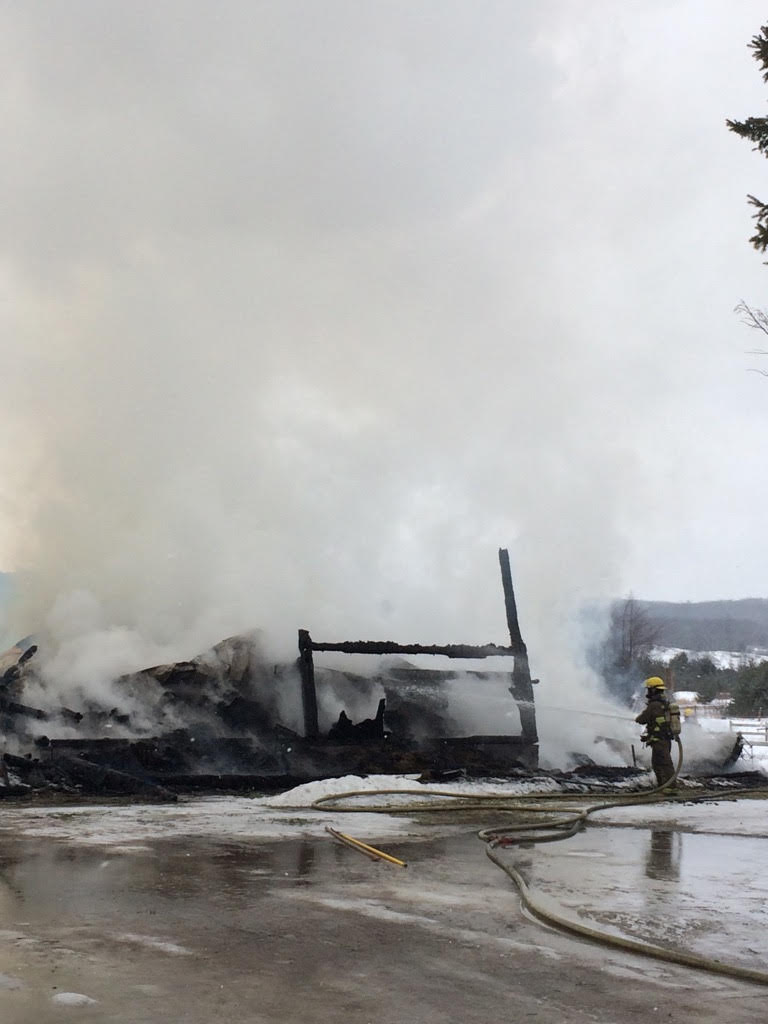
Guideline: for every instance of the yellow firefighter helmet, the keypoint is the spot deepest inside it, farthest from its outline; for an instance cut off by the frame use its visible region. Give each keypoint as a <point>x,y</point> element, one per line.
<point>655,683</point>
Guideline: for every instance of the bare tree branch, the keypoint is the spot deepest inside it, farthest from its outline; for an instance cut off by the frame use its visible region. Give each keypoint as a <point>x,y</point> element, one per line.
<point>633,632</point>
<point>757,319</point>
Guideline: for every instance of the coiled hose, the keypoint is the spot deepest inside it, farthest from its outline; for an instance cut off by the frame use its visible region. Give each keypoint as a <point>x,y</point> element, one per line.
<point>560,822</point>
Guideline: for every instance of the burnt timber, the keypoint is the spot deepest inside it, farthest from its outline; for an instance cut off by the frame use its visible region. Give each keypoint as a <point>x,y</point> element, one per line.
<point>521,685</point>
<point>217,719</point>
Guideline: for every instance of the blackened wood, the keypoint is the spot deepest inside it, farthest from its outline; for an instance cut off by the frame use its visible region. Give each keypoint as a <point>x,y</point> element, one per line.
<point>388,647</point>
<point>100,778</point>
<point>510,604</point>
<point>308,691</point>
<point>10,707</point>
<point>522,687</point>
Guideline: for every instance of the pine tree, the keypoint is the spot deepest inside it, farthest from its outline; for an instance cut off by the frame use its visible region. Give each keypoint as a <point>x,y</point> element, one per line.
<point>756,130</point>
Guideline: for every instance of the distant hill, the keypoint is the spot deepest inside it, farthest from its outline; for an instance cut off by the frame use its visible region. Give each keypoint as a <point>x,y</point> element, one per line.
<point>711,625</point>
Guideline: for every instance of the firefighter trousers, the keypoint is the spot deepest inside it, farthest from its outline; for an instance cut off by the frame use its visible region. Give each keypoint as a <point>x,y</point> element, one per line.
<point>661,760</point>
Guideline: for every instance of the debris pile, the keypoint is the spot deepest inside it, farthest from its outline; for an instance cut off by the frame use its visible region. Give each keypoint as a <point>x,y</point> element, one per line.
<point>217,723</point>
<point>214,722</point>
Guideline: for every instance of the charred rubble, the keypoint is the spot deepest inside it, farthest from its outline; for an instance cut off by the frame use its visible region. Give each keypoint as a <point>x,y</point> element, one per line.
<point>214,723</point>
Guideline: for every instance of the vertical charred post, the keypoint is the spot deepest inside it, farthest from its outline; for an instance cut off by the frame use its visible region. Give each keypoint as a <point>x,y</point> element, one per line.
<point>522,686</point>
<point>308,692</point>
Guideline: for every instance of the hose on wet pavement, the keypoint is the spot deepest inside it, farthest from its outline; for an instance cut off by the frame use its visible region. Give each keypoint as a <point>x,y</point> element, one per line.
<point>560,822</point>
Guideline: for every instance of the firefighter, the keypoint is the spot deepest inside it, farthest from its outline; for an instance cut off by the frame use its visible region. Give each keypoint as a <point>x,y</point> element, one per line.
<point>658,734</point>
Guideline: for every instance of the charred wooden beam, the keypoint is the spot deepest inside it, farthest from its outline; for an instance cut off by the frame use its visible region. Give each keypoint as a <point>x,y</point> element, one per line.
<point>10,707</point>
<point>82,743</point>
<point>522,685</point>
<point>510,604</point>
<point>13,673</point>
<point>91,777</point>
<point>388,647</point>
<point>308,691</point>
<point>100,778</point>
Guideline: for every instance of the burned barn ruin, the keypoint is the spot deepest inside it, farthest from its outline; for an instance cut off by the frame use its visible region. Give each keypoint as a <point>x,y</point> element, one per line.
<point>216,722</point>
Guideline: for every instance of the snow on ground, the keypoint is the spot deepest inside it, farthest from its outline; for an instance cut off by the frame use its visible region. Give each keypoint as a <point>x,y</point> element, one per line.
<point>723,817</point>
<point>125,827</point>
<point>240,818</point>
<point>721,659</point>
<point>367,786</point>
<point>72,999</point>
<point>128,825</point>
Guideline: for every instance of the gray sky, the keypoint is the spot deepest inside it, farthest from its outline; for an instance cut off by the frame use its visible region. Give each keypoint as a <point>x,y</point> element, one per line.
<point>306,308</point>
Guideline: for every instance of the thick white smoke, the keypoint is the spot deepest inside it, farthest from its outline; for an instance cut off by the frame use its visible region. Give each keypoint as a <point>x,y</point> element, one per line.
<point>310,311</point>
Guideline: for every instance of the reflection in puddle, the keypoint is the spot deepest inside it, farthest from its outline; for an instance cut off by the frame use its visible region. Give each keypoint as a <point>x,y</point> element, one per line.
<point>664,853</point>
<point>306,858</point>
<point>696,892</point>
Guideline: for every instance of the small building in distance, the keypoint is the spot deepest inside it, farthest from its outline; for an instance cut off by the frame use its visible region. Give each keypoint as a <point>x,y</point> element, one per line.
<point>722,702</point>
<point>691,704</point>
<point>688,701</point>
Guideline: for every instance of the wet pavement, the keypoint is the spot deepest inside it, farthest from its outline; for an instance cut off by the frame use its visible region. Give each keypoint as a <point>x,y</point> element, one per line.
<point>697,893</point>
<point>221,909</point>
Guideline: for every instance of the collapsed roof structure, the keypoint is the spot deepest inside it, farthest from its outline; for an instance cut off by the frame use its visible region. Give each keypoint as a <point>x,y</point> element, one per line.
<point>214,722</point>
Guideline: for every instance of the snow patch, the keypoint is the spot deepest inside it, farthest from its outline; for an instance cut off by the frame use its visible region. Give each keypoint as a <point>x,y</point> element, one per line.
<point>72,999</point>
<point>720,659</point>
<point>391,785</point>
<point>726,817</point>
<point>162,945</point>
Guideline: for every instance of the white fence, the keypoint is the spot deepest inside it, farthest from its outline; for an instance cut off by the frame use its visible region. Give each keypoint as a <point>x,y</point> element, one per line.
<point>702,710</point>
<point>754,730</point>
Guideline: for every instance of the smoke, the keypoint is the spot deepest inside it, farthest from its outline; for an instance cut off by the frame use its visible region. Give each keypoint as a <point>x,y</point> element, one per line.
<point>301,331</point>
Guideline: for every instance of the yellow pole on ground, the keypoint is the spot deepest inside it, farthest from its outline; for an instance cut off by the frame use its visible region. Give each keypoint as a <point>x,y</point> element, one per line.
<point>365,848</point>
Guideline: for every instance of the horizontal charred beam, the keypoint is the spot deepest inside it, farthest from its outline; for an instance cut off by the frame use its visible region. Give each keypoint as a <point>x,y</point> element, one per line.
<point>228,781</point>
<point>86,743</point>
<point>10,707</point>
<point>388,647</point>
<point>493,740</point>
<point>99,777</point>
<point>92,777</point>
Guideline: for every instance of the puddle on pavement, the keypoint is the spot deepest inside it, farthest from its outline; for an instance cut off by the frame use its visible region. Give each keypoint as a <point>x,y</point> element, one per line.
<point>702,893</point>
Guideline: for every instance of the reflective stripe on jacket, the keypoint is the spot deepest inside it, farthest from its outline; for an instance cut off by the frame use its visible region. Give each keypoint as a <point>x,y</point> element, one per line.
<point>654,717</point>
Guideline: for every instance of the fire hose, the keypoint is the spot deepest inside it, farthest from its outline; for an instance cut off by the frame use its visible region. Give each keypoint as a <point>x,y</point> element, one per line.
<point>560,822</point>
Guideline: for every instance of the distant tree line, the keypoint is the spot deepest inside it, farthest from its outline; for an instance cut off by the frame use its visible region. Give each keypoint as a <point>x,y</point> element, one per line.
<point>748,685</point>
<point>629,653</point>
<point>755,130</point>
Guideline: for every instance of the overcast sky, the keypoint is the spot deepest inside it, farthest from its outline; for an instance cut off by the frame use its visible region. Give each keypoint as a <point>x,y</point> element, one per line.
<point>307,308</point>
